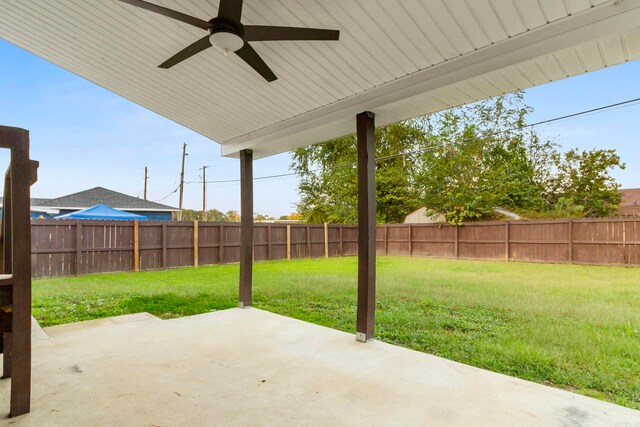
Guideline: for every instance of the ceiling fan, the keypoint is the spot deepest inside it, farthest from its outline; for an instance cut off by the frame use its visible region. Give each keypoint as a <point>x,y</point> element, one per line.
<point>227,33</point>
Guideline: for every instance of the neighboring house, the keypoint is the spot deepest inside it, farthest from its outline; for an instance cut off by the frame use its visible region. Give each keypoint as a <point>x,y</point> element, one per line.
<point>36,211</point>
<point>47,208</point>
<point>428,216</point>
<point>424,216</point>
<point>630,205</point>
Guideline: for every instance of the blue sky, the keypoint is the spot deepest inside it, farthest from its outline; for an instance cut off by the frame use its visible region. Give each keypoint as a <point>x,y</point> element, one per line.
<point>85,136</point>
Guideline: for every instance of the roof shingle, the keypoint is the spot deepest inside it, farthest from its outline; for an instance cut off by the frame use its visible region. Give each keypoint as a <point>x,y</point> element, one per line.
<point>100,195</point>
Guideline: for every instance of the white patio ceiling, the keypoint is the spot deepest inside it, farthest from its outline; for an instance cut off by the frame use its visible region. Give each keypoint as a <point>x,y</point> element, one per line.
<point>397,58</point>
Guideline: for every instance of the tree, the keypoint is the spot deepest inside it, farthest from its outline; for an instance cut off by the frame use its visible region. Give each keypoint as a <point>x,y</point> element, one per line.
<point>294,216</point>
<point>329,186</point>
<point>481,157</point>
<point>584,179</point>
<point>233,216</point>
<point>462,163</point>
<point>262,217</point>
<point>213,215</point>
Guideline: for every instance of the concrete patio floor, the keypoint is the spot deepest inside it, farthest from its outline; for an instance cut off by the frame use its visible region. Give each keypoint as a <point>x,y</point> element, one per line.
<point>251,367</point>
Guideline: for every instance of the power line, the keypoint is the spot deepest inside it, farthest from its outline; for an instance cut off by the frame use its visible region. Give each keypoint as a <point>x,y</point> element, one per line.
<point>582,113</point>
<point>600,109</point>
<point>168,195</point>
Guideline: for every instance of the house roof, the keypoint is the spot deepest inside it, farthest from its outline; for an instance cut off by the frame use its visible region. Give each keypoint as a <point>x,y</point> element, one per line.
<point>630,197</point>
<point>35,201</point>
<point>396,58</point>
<point>100,195</point>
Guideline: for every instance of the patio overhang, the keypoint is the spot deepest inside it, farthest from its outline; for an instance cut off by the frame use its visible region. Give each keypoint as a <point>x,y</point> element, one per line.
<point>398,59</point>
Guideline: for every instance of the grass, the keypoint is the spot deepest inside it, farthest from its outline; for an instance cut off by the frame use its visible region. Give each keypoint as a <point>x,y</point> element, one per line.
<point>574,327</point>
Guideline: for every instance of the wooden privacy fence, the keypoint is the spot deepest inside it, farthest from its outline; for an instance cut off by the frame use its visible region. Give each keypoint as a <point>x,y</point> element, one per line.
<point>70,247</point>
<point>610,241</point>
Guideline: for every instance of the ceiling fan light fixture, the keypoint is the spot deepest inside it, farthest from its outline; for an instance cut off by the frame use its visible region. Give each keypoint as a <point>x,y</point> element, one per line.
<point>226,41</point>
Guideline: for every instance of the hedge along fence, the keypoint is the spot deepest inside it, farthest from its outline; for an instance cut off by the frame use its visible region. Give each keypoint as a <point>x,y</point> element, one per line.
<point>71,247</point>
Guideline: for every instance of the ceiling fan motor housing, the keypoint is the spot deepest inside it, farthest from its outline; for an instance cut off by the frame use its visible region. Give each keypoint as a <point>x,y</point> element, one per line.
<point>226,35</point>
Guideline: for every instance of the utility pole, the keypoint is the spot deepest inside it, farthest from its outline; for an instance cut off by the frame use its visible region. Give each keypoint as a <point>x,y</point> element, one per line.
<point>204,193</point>
<point>146,177</point>
<point>184,154</point>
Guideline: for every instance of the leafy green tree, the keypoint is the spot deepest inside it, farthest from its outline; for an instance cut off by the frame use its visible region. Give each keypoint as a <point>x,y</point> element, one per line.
<point>462,163</point>
<point>481,157</point>
<point>213,215</point>
<point>584,178</point>
<point>233,216</point>
<point>329,185</point>
<point>262,217</point>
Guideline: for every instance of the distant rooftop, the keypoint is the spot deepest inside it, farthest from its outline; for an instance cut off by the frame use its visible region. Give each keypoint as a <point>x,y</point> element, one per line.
<point>100,195</point>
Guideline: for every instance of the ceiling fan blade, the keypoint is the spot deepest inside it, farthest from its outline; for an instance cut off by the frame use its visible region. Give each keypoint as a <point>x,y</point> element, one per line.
<point>196,22</point>
<point>187,52</point>
<point>255,33</point>
<point>231,10</point>
<point>251,57</point>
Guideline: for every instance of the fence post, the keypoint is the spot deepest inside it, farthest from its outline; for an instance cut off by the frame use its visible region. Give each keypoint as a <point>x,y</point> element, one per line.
<point>221,244</point>
<point>78,247</point>
<point>136,246</point>
<point>506,241</point>
<point>195,243</point>
<point>164,245</point>
<point>570,241</point>
<point>308,242</point>
<point>288,242</point>
<point>386,239</point>
<point>269,242</point>
<point>457,249</point>
<point>340,248</point>
<point>326,240</point>
<point>410,240</point>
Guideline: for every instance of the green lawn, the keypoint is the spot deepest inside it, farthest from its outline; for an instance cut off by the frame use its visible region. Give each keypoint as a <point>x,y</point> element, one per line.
<point>574,327</point>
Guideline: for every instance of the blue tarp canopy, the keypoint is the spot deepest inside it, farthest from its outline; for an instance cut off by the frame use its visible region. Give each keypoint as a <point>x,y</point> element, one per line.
<point>102,212</point>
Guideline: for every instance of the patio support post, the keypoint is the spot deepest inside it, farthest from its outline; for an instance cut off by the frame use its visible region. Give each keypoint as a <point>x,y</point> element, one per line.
<point>21,176</point>
<point>246,230</point>
<point>366,227</point>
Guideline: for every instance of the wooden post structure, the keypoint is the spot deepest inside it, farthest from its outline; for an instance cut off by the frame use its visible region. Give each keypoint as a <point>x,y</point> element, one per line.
<point>386,239</point>
<point>221,245</point>
<point>506,241</point>
<point>308,238</point>
<point>164,245</point>
<point>78,248</point>
<point>7,262</point>
<point>136,246</point>
<point>340,243</point>
<point>326,240</point>
<point>410,240</point>
<point>269,242</point>
<point>146,178</point>
<point>366,227</point>
<point>20,176</point>
<point>195,243</point>
<point>288,242</point>
<point>246,230</point>
<point>456,244</point>
<point>570,241</point>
